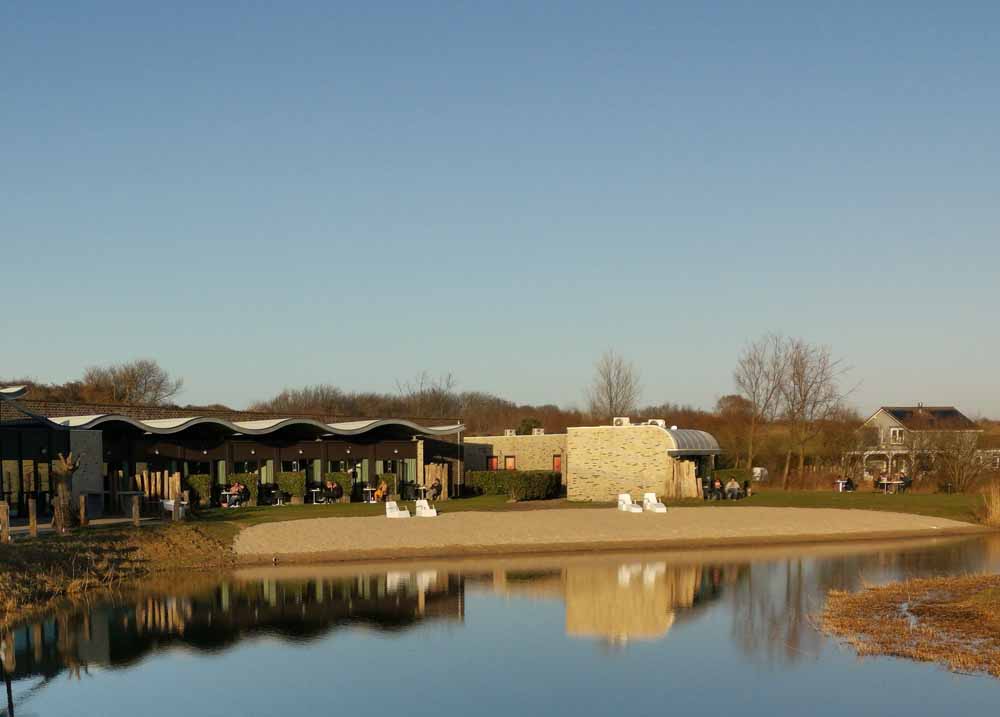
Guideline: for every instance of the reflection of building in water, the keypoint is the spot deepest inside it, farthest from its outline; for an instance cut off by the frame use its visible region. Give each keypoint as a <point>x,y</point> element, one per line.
<point>120,633</point>
<point>616,602</point>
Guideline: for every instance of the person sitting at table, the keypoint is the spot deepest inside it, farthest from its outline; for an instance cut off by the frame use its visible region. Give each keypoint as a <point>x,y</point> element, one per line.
<point>849,486</point>
<point>233,499</point>
<point>716,491</point>
<point>435,489</point>
<point>732,489</point>
<point>332,492</point>
<point>381,492</point>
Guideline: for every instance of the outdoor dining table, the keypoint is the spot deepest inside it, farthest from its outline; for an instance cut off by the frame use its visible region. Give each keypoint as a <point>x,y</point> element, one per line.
<point>421,491</point>
<point>840,485</point>
<point>894,483</point>
<point>369,495</point>
<point>315,492</point>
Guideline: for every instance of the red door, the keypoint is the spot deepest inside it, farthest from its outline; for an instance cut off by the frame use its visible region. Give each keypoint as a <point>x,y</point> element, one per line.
<point>557,464</point>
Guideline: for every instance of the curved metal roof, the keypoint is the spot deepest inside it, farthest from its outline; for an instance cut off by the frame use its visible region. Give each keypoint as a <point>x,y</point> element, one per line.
<point>9,393</point>
<point>691,442</point>
<point>168,426</point>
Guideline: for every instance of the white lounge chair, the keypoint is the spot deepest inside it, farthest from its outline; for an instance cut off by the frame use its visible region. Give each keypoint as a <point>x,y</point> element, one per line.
<point>393,511</point>
<point>652,504</point>
<point>626,505</point>
<point>424,510</point>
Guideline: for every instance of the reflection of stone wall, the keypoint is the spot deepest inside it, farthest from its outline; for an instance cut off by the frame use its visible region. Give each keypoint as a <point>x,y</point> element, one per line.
<point>531,453</point>
<point>633,601</point>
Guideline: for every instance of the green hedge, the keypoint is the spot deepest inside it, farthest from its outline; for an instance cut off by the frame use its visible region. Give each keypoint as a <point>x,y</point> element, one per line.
<point>250,480</point>
<point>519,485</point>
<point>740,474</point>
<point>200,486</point>
<point>341,479</point>
<point>293,483</point>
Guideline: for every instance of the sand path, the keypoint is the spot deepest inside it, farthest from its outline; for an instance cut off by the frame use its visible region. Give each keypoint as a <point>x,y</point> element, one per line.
<point>469,533</point>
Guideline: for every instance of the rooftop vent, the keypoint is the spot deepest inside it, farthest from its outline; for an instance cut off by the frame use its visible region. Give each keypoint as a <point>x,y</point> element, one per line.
<point>621,421</point>
<point>656,422</point>
<point>538,431</point>
<point>509,432</point>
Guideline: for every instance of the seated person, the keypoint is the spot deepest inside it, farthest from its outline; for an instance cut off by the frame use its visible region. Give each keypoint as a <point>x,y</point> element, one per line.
<point>381,492</point>
<point>435,489</point>
<point>233,499</point>
<point>849,486</point>
<point>332,492</point>
<point>732,489</point>
<point>716,492</point>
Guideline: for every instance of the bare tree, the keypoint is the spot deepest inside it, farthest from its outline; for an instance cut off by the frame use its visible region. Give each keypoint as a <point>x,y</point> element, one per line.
<point>142,381</point>
<point>615,389</point>
<point>953,456</point>
<point>427,396</point>
<point>811,395</point>
<point>760,376</point>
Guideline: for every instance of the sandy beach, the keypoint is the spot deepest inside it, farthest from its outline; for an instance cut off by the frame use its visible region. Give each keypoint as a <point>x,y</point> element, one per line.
<point>485,533</point>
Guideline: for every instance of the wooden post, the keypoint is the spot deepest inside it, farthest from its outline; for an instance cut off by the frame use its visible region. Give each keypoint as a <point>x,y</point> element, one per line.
<point>4,522</point>
<point>32,518</point>
<point>135,511</point>
<point>84,520</point>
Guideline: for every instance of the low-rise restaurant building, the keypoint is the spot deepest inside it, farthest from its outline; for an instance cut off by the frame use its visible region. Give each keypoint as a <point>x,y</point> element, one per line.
<point>599,462</point>
<point>116,443</point>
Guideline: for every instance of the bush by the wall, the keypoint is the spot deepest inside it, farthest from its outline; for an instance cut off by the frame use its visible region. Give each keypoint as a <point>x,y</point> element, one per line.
<point>250,480</point>
<point>740,474</point>
<point>293,483</point>
<point>200,485</point>
<point>519,485</point>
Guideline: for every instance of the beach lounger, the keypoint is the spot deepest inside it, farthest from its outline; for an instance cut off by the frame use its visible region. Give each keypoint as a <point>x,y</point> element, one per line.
<point>626,505</point>
<point>652,504</point>
<point>393,511</point>
<point>424,509</point>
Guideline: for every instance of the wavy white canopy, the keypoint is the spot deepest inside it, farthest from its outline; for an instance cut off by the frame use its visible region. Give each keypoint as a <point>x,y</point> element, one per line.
<point>259,427</point>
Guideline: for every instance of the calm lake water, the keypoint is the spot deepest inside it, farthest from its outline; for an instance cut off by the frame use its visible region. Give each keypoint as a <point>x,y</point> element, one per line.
<point>681,633</point>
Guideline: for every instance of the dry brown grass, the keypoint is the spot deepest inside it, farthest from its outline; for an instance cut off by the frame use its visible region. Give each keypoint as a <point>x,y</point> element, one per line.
<point>954,621</point>
<point>36,573</point>
<point>991,504</point>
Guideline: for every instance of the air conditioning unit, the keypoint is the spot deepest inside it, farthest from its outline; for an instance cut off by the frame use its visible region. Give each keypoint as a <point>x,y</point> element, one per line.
<point>509,432</point>
<point>656,422</point>
<point>538,431</point>
<point>621,421</point>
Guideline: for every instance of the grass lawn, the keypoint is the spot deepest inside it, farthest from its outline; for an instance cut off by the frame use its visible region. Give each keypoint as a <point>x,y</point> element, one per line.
<point>942,505</point>
<point>245,517</point>
<point>956,507</point>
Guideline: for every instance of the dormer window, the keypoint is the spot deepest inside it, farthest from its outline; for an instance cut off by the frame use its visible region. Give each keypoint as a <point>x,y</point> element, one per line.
<point>896,436</point>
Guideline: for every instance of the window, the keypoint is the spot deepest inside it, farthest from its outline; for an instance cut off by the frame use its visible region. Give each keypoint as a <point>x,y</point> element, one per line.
<point>896,435</point>
<point>492,463</point>
<point>557,463</point>
<point>337,466</point>
<point>510,463</point>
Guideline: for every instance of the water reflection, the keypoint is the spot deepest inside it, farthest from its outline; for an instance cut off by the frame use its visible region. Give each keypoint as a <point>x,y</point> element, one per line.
<point>767,596</point>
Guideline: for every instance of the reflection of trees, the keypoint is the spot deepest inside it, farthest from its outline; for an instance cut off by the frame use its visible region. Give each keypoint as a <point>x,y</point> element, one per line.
<point>124,631</point>
<point>773,605</point>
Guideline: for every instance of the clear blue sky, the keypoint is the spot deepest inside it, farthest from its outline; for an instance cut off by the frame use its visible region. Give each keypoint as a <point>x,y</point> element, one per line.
<point>266,195</point>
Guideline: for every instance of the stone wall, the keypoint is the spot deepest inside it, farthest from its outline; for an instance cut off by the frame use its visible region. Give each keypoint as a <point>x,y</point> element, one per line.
<point>531,453</point>
<point>607,460</point>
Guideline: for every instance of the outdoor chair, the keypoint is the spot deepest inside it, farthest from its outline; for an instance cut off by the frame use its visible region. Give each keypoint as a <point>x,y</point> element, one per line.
<point>424,510</point>
<point>394,511</point>
<point>652,504</point>
<point>169,506</point>
<point>626,505</point>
